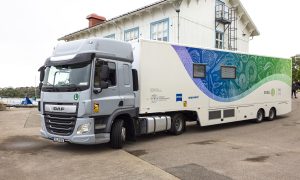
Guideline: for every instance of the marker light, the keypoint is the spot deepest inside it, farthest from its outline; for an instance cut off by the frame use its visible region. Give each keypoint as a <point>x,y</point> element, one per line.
<point>96,108</point>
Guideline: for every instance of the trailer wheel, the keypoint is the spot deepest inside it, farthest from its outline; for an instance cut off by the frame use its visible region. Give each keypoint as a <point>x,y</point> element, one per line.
<point>260,116</point>
<point>118,134</point>
<point>178,124</point>
<point>272,114</point>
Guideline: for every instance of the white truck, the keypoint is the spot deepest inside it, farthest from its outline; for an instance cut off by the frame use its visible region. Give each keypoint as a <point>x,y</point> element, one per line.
<point>100,90</point>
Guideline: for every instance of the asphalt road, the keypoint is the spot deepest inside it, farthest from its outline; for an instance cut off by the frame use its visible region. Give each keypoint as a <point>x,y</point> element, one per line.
<point>242,150</point>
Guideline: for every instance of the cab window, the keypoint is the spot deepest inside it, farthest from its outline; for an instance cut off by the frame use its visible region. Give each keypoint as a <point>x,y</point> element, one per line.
<point>111,80</point>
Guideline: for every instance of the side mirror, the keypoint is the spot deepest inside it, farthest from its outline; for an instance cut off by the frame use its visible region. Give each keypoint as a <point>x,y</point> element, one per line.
<point>42,73</point>
<point>103,85</point>
<point>104,72</point>
<point>97,90</point>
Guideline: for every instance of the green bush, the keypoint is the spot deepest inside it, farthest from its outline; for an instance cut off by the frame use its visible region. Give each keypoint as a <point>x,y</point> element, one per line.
<point>19,92</point>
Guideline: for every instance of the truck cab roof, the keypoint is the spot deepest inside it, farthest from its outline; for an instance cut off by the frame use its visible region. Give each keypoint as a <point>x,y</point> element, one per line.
<point>84,50</point>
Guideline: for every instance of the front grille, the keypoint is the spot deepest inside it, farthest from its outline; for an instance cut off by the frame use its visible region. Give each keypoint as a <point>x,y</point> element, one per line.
<point>60,124</point>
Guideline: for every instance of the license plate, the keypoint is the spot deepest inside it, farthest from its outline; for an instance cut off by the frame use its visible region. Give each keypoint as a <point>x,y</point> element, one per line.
<point>60,140</point>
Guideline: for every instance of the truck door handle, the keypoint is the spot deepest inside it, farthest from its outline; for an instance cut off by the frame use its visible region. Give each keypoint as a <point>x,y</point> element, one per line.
<point>121,103</point>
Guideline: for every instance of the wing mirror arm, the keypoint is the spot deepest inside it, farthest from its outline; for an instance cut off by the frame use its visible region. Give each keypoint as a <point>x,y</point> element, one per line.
<point>103,85</point>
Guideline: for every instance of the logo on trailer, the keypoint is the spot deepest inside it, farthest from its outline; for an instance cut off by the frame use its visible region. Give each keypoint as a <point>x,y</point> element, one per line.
<point>193,97</point>
<point>273,92</point>
<point>154,98</point>
<point>178,97</point>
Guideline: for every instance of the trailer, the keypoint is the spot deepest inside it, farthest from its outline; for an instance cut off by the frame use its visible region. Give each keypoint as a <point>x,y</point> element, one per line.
<point>99,90</point>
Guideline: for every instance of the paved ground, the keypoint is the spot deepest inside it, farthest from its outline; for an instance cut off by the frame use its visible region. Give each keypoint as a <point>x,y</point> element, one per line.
<point>243,150</point>
<point>24,155</point>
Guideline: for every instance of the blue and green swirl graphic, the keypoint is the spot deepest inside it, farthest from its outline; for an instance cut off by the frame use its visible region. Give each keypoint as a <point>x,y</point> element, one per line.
<point>252,72</point>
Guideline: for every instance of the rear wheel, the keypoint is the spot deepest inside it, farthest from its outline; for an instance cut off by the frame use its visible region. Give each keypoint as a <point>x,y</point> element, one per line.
<point>178,124</point>
<point>118,134</point>
<point>272,114</point>
<point>260,116</point>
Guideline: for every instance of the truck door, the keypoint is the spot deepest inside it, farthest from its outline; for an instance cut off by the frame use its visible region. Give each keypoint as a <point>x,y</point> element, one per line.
<point>125,84</point>
<point>108,99</point>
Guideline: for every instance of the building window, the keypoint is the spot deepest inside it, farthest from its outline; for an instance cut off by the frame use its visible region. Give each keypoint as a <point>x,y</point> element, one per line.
<point>160,30</point>
<point>220,2</point>
<point>131,34</point>
<point>228,72</point>
<point>111,36</point>
<point>219,40</point>
<point>199,70</point>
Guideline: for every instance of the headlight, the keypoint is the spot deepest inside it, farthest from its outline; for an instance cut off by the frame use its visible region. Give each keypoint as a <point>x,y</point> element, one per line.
<point>84,128</point>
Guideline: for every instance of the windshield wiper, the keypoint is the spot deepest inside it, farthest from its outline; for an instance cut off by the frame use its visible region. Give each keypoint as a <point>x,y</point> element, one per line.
<point>73,87</point>
<point>50,88</point>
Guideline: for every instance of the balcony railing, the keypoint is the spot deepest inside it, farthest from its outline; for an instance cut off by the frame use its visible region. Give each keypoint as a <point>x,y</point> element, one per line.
<point>222,13</point>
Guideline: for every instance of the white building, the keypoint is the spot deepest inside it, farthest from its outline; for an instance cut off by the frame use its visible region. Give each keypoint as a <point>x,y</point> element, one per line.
<point>223,24</point>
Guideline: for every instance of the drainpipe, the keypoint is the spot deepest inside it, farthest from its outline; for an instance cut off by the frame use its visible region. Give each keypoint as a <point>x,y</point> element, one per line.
<point>178,22</point>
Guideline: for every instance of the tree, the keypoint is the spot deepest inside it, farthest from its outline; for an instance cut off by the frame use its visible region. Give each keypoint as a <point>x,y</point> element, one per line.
<point>19,92</point>
<point>296,67</point>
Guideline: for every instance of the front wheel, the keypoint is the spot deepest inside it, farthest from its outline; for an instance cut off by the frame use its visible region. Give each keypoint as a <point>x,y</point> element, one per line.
<point>178,124</point>
<point>118,134</point>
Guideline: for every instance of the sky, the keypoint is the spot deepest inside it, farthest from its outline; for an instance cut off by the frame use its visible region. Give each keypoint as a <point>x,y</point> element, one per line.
<point>29,30</point>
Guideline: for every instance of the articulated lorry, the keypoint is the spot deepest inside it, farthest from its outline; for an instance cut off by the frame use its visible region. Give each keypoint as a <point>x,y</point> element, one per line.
<point>100,90</point>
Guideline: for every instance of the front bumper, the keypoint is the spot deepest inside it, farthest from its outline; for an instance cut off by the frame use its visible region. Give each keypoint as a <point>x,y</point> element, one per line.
<point>85,139</point>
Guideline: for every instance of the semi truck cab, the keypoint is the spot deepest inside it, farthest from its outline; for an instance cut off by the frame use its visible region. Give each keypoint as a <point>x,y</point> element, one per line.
<point>89,94</point>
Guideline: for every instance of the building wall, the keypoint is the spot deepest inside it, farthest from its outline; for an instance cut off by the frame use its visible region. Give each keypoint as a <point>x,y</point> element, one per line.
<point>243,35</point>
<point>197,25</point>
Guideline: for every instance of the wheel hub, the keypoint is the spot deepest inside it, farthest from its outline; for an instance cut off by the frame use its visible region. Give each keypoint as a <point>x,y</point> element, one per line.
<point>178,125</point>
<point>272,114</point>
<point>123,134</point>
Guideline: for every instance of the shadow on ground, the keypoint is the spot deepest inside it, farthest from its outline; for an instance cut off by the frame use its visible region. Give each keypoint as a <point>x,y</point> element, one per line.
<point>35,144</point>
<point>193,128</point>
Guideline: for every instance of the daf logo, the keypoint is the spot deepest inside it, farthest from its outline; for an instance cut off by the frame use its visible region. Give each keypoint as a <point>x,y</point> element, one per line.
<point>58,108</point>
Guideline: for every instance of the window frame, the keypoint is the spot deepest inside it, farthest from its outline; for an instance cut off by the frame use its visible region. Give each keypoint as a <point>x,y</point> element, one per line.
<point>217,41</point>
<point>116,75</point>
<point>111,36</point>
<point>228,66</point>
<point>132,30</point>
<point>126,74</point>
<point>158,22</point>
<point>199,64</point>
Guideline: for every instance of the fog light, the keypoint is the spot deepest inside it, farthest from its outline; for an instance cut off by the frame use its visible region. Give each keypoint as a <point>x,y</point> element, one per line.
<point>84,128</point>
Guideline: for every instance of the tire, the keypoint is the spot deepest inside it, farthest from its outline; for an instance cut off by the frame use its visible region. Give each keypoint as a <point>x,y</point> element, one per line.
<point>178,124</point>
<point>260,116</point>
<point>272,114</point>
<point>118,134</point>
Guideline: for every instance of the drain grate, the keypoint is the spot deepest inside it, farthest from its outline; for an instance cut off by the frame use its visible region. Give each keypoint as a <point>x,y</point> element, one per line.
<point>195,171</point>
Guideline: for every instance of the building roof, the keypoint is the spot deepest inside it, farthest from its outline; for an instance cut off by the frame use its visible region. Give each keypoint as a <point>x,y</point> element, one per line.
<point>242,13</point>
<point>236,3</point>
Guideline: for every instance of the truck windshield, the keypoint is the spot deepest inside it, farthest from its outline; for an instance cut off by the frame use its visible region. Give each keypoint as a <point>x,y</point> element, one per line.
<point>67,78</point>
